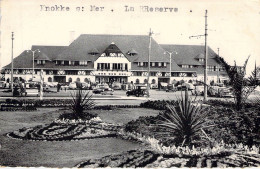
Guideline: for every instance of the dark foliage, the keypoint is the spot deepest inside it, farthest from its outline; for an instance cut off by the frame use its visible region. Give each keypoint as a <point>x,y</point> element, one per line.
<point>231,126</point>
<point>157,104</point>
<point>80,102</point>
<point>186,120</point>
<point>242,87</point>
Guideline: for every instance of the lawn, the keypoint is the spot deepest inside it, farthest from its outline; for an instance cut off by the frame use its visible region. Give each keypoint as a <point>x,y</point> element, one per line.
<point>64,153</point>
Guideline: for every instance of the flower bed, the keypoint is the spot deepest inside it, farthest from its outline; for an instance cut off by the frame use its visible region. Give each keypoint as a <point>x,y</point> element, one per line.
<point>152,159</point>
<point>62,130</point>
<point>230,125</point>
<point>54,103</point>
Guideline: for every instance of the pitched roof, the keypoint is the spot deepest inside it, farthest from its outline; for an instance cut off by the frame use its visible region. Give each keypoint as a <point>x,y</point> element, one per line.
<point>41,56</point>
<point>94,51</point>
<point>189,54</point>
<point>24,60</point>
<point>80,48</point>
<point>132,51</point>
<point>51,51</point>
<point>112,48</point>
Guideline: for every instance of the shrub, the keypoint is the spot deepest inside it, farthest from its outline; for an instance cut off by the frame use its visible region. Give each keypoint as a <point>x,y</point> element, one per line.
<point>81,101</point>
<point>186,121</point>
<point>157,104</point>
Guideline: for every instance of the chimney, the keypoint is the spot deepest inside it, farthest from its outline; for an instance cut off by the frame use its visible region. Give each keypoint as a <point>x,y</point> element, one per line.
<point>72,36</point>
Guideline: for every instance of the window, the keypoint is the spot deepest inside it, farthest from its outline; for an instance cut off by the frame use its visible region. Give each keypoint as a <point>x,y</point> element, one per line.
<point>114,66</point>
<point>201,60</point>
<point>40,62</point>
<point>138,73</point>
<point>153,64</point>
<point>72,72</point>
<point>86,80</point>
<point>49,79</point>
<point>140,63</point>
<point>113,54</point>
<point>185,66</point>
<point>153,81</point>
<point>70,79</point>
<point>120,55</point>
<point>78,79</point>
<point>76,63</point>
<point>66,63</point>
<point>159,64</point>
<point>137,81</point>
<point>153,73</point>
<point>163,64</point>
<point>145,80</point>
<point>211,68</point>
<point>83,63</point>
<point>126,66</point>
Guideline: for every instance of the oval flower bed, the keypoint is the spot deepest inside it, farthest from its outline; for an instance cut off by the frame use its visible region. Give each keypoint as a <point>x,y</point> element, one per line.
<point>61,130</point>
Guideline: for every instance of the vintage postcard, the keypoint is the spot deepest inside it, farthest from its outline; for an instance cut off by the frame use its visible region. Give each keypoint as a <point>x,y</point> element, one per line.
<point>91,83</point>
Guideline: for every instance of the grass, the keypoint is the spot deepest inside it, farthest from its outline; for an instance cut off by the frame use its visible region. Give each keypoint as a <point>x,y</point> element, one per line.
<point>59,154</point>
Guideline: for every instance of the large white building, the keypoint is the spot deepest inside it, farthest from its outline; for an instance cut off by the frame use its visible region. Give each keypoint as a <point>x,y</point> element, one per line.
<point>121,58</point>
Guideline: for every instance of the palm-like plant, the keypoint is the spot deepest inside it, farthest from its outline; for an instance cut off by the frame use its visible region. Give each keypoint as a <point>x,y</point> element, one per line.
<point>81,101</point>
<point>186,120</point>
<point>242,87</point>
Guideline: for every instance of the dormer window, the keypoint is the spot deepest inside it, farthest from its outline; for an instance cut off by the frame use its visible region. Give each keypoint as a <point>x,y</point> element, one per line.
<point>201,59</point>
<point>94,52</point>
<point>132,52</point>
<point>140,63</point>
<point>83,63</point>
<point>40,62</point>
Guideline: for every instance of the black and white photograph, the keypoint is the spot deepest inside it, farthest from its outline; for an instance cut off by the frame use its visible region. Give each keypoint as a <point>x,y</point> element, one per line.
<point>130,84</point>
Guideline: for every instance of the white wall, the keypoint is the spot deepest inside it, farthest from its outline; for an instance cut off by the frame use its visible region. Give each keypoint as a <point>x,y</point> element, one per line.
<point>82,78</point>
<point>142,78</point>
<point>112,60</point>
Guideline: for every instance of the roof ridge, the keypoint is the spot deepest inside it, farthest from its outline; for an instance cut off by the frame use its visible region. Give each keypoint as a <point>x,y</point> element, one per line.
<point>112,35</point>
<point>49,46</point>
<point>181,45</point>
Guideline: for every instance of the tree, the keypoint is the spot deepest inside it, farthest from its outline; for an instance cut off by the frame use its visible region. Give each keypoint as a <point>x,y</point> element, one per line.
<point>242,87</point>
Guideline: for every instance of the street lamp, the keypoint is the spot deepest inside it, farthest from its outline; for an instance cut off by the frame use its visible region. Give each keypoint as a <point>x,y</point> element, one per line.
<point>33,52</point>
<point>170,54</point>
<point>12,68</point>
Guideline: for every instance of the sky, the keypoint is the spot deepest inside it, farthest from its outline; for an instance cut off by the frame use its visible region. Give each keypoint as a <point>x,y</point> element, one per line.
<point>233,26</point>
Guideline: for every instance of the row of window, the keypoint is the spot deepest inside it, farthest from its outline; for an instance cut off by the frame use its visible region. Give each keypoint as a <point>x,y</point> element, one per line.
<point>137,81</point>
<point>50,79</point>
<point>215,68</point>
<point>66,72</point>
<point>40,62</point>
<point>112,55</point>
<point>114,66</point>
<point>187,66</point>
<point>210,68</point>
<point>163,74</point>
<point>71,63</point>
<point>152,64</point>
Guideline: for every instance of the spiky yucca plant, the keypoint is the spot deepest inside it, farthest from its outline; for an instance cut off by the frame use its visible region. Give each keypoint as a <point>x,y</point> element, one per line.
<point>186,120</point>
<point>81,101</point>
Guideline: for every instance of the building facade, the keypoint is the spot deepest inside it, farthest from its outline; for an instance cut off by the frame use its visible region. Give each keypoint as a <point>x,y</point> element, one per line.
<point>115,58</point>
